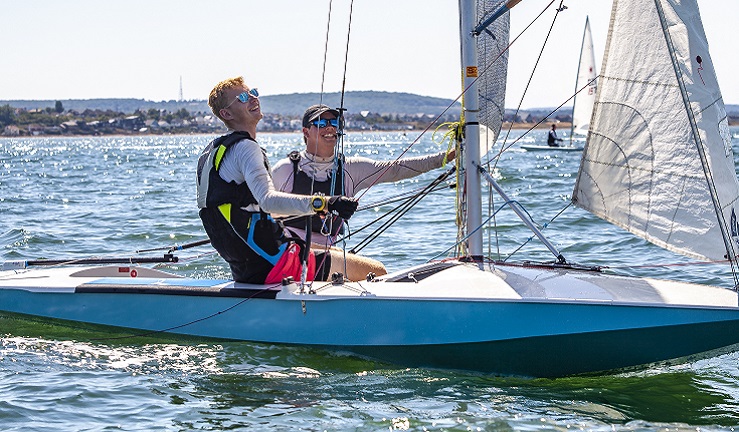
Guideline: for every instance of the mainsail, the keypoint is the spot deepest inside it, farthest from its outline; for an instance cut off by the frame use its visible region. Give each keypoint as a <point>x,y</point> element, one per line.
<point>658,161</point>
<point>494,66</point>
<point>582,108</point>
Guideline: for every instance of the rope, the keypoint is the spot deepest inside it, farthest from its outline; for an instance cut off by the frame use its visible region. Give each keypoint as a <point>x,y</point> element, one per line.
<point>460,193</point>
<point>461,240</point>
<point>169,329</point>
<point>431,123</point>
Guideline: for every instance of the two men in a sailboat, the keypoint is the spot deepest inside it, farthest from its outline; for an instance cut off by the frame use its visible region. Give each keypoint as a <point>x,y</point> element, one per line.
<point>318,169</point>
<point>236,195</point>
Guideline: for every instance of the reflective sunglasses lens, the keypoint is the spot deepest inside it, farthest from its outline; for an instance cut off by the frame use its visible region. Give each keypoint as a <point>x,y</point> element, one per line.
<point>322,123</point>
<point>244,97</point>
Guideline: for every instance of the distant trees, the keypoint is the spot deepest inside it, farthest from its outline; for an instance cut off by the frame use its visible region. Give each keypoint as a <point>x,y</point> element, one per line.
<point>58,107</point>
<point>7,115</point>
<point>182,114</point>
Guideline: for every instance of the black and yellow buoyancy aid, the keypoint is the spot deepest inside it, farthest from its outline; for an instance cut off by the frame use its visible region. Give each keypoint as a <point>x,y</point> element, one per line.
<point>257,229</point>
<point>213,191</point>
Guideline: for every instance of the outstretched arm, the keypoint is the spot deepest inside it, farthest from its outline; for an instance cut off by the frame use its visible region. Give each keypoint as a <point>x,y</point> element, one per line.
<point>364,172</point>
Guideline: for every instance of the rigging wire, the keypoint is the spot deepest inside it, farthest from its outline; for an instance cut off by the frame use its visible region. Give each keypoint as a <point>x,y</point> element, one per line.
<point>531,77</point>
<point>325,49</point>
<point>542,227</point>
<point>402,209</point>
<point>464,91</point>
<point>726,229</point>
<point>460,96</point>
<point>505,147</point>
<point>339,147</point>
<point>340,142</point>
<point>490,192</point>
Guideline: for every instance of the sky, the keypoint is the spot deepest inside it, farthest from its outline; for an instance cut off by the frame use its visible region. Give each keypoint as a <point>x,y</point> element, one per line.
<point>85,49</point>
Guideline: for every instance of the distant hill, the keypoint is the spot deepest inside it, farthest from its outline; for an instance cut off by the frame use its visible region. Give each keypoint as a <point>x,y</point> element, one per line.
<point>287,104</point>
<point>356,102</point>
<point>294,104</point>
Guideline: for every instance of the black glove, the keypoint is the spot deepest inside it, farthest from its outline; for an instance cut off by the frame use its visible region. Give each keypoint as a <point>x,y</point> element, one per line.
<point>343,206</point>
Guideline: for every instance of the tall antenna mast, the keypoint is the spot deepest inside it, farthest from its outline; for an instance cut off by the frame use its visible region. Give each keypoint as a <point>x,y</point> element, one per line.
<point>181,98</point>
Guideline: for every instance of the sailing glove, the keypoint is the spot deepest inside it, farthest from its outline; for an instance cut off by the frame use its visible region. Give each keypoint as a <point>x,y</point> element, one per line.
<point>342,205</point>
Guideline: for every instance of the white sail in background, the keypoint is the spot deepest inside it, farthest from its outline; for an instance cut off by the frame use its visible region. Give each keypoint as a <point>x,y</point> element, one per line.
<point>658,160</point>
<point>582,108</point>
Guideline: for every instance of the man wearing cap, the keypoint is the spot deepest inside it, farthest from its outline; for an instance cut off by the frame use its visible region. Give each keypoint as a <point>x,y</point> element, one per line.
<point>236,195</point>
<point>310,171</point>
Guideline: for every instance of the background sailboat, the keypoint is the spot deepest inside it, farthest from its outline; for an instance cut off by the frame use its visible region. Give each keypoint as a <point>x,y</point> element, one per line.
<point>582,104</point>
<point>586,86</point>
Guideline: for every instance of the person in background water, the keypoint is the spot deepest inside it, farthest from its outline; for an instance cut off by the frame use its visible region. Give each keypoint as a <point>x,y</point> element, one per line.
<point>552,139</point>
<point>236,195</point>
<point>310,170</point>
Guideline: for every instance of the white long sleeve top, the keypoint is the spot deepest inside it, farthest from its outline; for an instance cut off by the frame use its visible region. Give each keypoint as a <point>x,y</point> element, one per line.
<point>359,172</point>
<point>244,162</point>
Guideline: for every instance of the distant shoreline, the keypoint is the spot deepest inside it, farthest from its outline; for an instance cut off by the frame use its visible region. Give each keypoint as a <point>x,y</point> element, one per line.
<point>561,125</point>
<point>516,126</point>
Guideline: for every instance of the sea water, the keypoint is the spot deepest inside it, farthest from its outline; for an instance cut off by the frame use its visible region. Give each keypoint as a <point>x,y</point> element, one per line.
<point>112,196</point>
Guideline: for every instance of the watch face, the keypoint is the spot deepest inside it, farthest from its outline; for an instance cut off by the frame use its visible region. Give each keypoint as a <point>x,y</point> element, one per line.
<point>317,203</point>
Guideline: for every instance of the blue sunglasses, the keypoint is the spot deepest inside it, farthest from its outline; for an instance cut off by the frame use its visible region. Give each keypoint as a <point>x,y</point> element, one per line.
<point>322,123</point>
<point>244,97</point>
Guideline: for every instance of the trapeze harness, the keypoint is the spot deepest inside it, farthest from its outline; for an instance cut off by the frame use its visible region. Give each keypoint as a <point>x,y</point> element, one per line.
<point>304,185</point>
<point>252,242</point>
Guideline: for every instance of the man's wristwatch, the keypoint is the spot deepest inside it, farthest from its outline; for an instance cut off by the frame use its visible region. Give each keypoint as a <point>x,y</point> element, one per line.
<point>319,203</point>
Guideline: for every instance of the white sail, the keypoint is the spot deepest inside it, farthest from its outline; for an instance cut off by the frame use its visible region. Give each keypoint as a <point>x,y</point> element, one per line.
<point>658,161</point>
<point>582,108</point>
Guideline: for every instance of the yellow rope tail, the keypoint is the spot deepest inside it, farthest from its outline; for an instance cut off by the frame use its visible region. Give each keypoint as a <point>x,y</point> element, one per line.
<point>453,137</point>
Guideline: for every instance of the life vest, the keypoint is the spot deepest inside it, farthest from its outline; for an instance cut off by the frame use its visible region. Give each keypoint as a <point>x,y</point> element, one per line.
<point>213,191</point>
<point>305,185</point>
<point>269,255</point>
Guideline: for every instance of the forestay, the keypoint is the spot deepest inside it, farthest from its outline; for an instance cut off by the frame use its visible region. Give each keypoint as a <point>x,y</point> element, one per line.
<point>658,160</point>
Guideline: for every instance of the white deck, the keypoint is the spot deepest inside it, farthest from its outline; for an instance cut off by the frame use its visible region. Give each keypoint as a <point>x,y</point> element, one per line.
<point>458,281</point>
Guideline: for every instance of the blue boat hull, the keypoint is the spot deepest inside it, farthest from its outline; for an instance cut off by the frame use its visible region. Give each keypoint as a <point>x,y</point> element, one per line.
<point>527,338</point>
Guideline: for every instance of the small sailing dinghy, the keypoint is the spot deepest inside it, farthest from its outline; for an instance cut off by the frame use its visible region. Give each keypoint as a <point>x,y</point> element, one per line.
<point>663,171</point>
<point>582,106</point>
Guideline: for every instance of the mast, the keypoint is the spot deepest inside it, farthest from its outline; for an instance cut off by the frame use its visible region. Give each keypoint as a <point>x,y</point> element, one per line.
<point>467,15</point>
